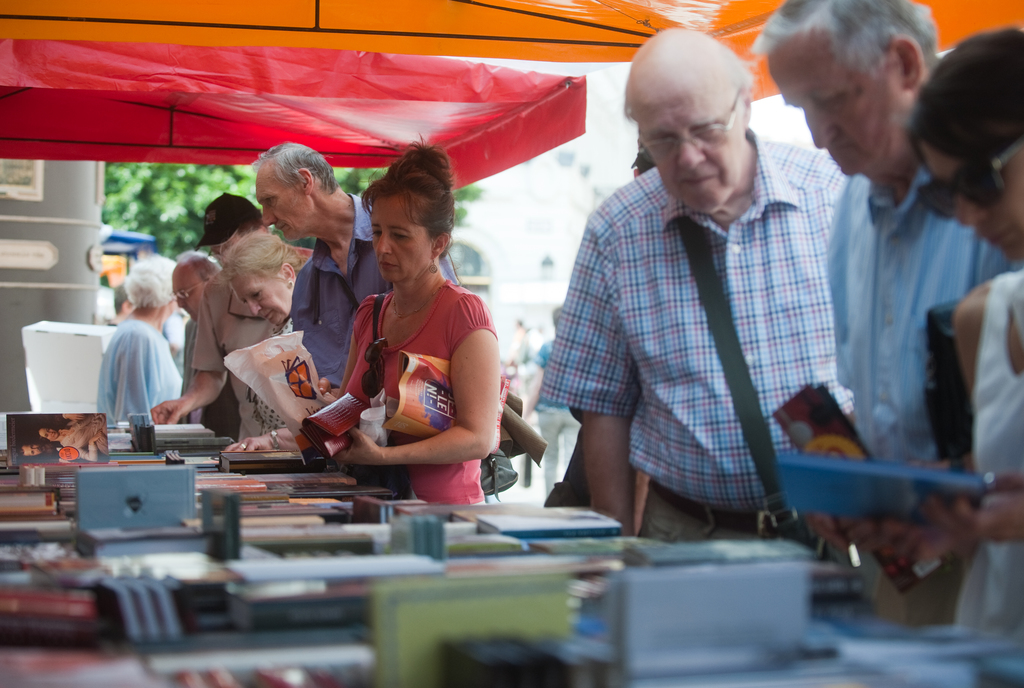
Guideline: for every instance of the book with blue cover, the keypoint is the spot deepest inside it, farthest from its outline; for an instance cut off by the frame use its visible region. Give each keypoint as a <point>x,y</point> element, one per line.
<point>870,489</point>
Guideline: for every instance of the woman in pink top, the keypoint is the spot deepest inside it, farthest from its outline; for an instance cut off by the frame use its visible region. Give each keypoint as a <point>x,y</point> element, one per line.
<point>413,213</point>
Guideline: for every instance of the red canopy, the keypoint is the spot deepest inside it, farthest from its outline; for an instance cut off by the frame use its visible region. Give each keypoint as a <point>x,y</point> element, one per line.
<point>65,100</point>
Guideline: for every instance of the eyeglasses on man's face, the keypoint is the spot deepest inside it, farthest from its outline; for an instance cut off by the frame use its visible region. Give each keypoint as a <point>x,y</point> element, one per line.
<point>980,182</point>
<point>705,137</point>
<point>182,294</point>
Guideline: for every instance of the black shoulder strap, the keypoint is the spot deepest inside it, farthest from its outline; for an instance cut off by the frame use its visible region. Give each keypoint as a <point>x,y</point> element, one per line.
<point>744,396</point>
<point>378,301</point>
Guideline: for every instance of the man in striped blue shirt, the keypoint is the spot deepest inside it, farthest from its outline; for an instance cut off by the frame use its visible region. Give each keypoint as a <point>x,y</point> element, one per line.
<point>855,67</point>
<point>633,348</point>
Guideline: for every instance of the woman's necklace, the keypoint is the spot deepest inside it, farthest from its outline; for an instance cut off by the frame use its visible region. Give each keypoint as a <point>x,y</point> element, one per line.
<point>421,306</point>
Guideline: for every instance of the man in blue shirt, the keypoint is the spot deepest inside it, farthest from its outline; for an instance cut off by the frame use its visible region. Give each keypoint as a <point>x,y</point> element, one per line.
<point>301,198</point>
<point>855,67</point>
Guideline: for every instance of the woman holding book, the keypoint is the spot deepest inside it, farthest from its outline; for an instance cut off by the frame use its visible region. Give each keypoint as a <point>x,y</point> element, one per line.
<point>261,270</point>
<point>413,213</point>
<point>968,126</point>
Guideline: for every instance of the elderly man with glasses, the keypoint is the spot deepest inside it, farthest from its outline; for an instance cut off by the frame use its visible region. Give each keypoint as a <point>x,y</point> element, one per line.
<point>223,324</point>
<point>191,276</point>
<point>855,67</point>
<point>634,348</point>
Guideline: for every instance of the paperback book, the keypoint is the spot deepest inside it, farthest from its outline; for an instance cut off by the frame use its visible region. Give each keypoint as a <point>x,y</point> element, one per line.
<point>426,404</point>
<point>327,429</point>
<point>56,438</point>
<point>816,425</point>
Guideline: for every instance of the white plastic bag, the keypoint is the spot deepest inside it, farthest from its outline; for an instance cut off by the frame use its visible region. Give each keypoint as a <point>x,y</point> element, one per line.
<point>281,371</point>
<point>371,421</point>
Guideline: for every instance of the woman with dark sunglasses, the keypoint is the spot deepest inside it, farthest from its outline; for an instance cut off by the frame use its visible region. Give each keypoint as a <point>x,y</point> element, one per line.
<point>412,210</point>
<point>968,126</point>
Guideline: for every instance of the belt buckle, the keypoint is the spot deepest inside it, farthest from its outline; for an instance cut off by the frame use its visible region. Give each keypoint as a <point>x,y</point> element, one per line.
<point>768,522</point>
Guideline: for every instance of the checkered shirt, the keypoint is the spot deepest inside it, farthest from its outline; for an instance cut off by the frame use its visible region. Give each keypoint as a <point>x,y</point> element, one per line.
<point>633,338</point>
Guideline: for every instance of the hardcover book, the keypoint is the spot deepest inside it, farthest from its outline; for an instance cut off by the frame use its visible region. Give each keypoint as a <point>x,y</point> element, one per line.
<point>575,525</point>
<point>118,542</point>
<point>135,497</point>
<point>412,619</point>
<point>297,604</point>
<point>266,462</point>
<point>870,489</point>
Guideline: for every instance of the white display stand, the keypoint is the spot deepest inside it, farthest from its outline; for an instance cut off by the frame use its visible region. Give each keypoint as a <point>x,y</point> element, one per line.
<point>62,364</point>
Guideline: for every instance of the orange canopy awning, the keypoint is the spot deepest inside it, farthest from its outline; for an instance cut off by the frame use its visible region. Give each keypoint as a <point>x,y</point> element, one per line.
<point>548,30</point>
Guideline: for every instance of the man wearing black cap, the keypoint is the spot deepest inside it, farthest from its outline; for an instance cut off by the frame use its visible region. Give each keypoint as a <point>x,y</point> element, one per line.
<point>224,324</point>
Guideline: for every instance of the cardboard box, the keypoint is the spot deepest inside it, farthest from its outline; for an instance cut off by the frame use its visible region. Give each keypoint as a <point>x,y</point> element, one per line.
<point>62,364</point>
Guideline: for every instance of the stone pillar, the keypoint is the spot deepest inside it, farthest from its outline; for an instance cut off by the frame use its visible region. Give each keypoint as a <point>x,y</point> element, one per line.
<point>67,219</point>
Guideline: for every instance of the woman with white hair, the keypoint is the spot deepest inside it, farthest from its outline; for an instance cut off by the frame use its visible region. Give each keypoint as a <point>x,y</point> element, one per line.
<point>138,371</point>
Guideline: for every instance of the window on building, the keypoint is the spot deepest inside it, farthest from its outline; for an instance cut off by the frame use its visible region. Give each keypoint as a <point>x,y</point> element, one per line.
<point>473,269</point>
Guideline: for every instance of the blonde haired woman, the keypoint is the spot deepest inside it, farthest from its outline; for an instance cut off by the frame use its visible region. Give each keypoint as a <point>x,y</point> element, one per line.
<point>261,270</point>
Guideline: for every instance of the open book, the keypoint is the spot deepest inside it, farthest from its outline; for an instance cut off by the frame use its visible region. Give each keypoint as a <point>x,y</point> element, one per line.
<point>327,429</point>
<point>816,424</point>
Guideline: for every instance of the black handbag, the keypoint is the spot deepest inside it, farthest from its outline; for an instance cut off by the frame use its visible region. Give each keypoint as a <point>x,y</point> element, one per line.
<point>497,473</point>
<point>946,396</point>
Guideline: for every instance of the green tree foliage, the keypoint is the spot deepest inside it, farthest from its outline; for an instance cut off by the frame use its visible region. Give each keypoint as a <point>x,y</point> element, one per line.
<point>167,201</point>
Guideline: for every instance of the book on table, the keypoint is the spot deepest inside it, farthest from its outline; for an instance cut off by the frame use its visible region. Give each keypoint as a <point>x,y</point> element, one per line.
<point>116,542</point>
<point>572,525</point>
<point>56,438</point>
<point>297,604</point>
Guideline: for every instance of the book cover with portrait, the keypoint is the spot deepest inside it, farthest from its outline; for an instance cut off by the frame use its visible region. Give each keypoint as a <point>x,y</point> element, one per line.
<point>56,438</point>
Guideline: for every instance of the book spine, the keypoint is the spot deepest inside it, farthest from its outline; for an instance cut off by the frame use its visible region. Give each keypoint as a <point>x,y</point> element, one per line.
<point>57,606</point>
<point>290,614</point>
<point>50,631</point>
<point>610,531</point>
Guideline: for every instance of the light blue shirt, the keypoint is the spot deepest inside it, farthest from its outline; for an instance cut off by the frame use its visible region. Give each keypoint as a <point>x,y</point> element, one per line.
<point>137,372</point>
<point>888,265</point>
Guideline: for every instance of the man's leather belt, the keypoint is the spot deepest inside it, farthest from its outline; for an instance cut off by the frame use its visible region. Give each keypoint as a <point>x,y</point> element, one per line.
<point>753,522</point>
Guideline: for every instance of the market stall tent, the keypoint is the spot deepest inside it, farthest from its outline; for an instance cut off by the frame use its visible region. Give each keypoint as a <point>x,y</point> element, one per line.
<point>145,102</point>
<point>549,30</point>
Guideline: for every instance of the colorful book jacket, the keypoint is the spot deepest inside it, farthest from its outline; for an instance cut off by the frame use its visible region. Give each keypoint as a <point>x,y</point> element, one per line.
<point>426,405</point>
<point>56,438</point>
<point>816,424</point>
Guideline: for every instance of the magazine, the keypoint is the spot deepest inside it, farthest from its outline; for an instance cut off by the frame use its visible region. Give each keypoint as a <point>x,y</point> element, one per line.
<point>56,438</point>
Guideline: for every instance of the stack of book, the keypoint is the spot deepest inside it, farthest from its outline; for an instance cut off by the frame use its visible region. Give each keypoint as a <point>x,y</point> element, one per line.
<point>29,503</point>
<point>31,616</point>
